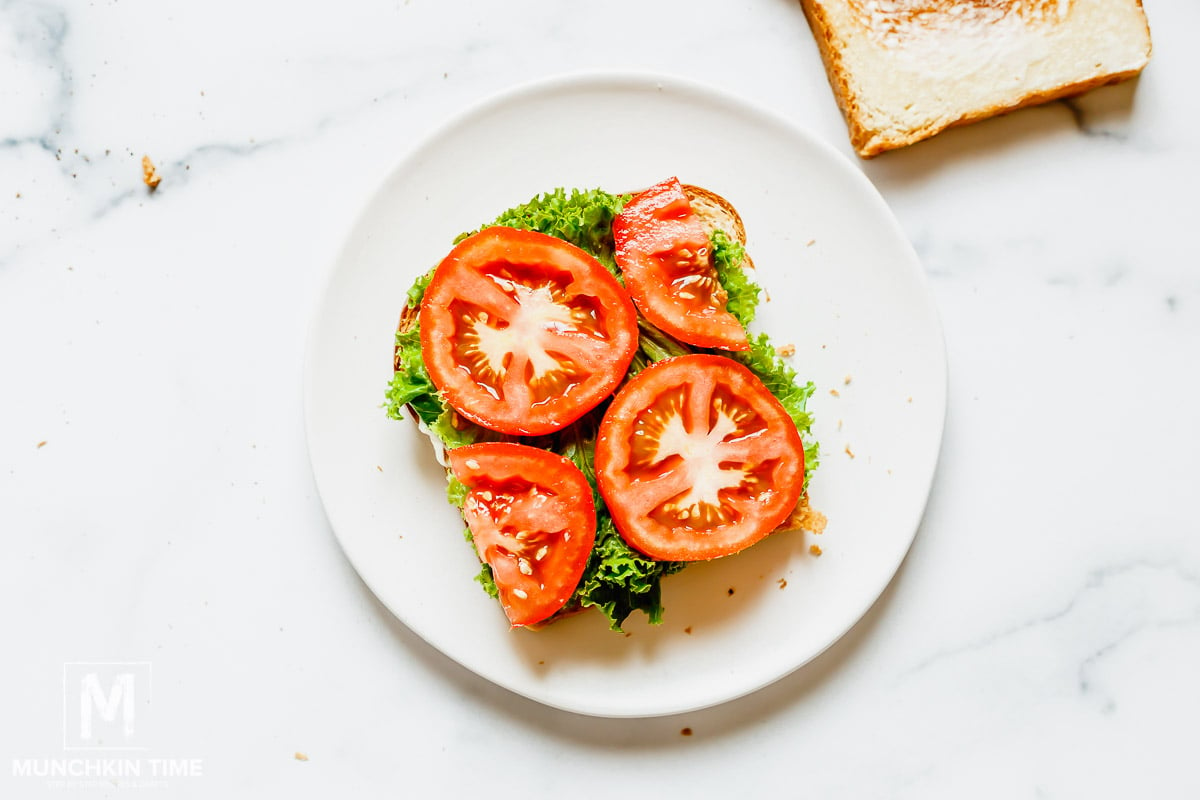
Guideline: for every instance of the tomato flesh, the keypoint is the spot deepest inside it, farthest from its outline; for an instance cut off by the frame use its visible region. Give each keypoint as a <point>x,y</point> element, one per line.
<point>533,522</point>
<point>662,249</point>
<point>696,459</point>
<point>524,333</point>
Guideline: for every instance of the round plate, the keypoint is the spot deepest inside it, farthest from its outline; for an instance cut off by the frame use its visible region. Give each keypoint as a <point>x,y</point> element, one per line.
<point>844,287</point>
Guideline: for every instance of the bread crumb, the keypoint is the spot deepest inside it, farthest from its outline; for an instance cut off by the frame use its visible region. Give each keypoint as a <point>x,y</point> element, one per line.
<point>846,381</point>
<point>300,756</point>
<point>783,583</point>
<point>835,393</point>
<point>628,634</point>
<point>379,468</point>
<point>688,630</point>
<point>805,518</point>
<point>839,424</point>
<point>810,242</point>
<point>41,444</point>
<point>731,591</point>
<point>542,663</point>
<point>814,549</point>
<point>849,452</point>
<point>150,174</point>
<point>686,732</point>
<point>786,351</point>
<point>910,399</point>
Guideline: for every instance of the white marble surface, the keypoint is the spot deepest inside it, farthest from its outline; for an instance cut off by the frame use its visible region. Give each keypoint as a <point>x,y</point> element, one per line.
<point>1041,640</point>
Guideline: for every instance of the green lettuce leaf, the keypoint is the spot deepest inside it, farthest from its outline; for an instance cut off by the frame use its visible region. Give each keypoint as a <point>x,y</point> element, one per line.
<point>783,382</point>
<point>485,579</point>
<point>410,384</point>
<point>581,217</point>
<point>728,255</point>
<point>456,492</point>
<point>416,292</point>
<point>617,579</point>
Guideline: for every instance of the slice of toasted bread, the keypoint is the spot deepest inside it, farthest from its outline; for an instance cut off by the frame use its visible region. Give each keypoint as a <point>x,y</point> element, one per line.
<point>904,70</point>
<point>716,213</point>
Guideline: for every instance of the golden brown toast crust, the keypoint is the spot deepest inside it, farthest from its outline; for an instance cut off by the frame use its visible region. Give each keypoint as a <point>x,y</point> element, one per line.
<point>869,142</point>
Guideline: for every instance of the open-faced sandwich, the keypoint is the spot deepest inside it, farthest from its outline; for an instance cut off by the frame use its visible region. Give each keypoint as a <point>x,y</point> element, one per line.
<point>583,368</point>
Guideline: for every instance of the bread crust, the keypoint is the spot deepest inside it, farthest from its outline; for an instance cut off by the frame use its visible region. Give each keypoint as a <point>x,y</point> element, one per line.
<point>869,140</point>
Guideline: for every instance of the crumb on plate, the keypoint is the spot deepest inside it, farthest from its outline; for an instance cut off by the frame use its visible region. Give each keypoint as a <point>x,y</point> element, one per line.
<point>814,549</point>
<point>805,518</point>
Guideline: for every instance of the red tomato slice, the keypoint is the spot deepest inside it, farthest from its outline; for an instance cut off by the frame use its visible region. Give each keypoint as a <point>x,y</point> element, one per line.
<point>524,333</point>
<point>697,459</point>
<point>531,515</point>
<point>663,251</point>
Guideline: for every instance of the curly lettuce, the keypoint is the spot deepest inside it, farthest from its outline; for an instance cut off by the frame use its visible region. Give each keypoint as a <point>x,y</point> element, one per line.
<point>783,382</point>
<point>728,254</point>
<point>581,217</point>
<point>617,579</point>
<point>411,386</point>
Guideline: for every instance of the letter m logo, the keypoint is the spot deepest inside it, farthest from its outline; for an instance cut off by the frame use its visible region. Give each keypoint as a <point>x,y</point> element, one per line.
<point>103,705</point>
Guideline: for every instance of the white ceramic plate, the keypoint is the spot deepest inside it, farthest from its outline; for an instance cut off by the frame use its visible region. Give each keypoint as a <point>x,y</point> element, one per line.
<point>845,288</point>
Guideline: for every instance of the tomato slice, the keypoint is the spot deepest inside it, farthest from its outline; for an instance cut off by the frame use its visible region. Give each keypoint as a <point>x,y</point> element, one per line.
<point>696,459</point>
<point>524,333</point>
<point>662,249</point>
<point>531,515</point>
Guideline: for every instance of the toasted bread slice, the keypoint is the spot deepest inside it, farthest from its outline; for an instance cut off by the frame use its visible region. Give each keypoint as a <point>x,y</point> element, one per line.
<point>716,213</point>
<point>904,70</point>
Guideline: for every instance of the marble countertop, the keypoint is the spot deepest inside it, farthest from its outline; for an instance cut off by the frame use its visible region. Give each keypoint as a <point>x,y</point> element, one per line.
<point>1042,639</point>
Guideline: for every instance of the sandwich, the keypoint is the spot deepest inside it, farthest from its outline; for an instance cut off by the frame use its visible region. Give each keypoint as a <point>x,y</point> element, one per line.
<point>904,70</point>
<point>584,371</point>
